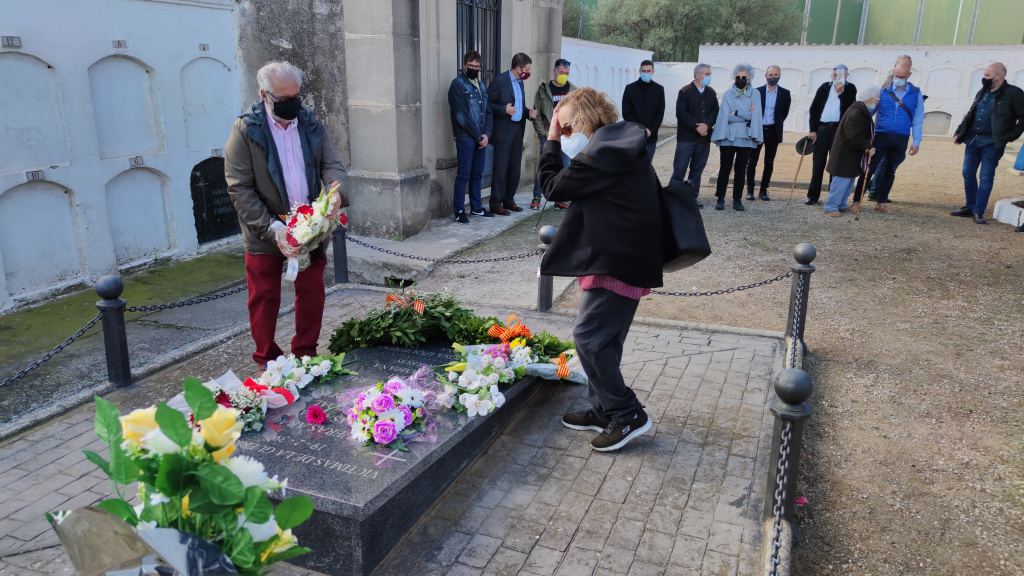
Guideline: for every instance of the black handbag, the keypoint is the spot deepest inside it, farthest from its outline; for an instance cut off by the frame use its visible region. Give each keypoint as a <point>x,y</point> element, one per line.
<point>683,240</point>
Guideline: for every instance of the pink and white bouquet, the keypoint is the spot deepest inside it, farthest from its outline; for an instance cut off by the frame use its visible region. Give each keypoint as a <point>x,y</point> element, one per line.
<point>472,381</point>
<point>386,414</point>
<point>308,226</point>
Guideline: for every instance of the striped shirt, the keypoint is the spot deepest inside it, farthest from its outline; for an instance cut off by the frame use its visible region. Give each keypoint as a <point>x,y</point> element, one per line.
<point>614,285</point>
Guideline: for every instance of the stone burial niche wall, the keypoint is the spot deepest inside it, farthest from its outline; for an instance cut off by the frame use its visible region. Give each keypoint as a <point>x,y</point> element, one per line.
<point>112,128</point>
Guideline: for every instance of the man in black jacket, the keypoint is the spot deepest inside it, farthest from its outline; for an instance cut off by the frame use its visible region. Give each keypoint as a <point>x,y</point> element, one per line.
<point>643,102</point>
<point>507,99</point>
<point>995,119</point>
<point>831,101</point>
<point>471,125</point>
<point>696,113</point>
<point>775,102</point>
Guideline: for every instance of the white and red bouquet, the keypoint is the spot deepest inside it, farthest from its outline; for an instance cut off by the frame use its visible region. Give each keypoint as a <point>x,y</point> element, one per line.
<point>308,225</point>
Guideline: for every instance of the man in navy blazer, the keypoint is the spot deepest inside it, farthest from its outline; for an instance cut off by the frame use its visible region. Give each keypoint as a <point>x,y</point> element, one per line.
<point>507,99</point>
<point>775,101</point>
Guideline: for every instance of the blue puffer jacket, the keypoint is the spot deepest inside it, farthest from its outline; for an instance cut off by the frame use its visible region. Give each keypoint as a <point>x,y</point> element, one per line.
<point>471,116</point>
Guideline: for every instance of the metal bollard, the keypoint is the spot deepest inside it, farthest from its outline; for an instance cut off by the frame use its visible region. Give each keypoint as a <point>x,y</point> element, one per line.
<point>115,339</point>
<point>793,387</point>
<point>545,284</point>
<point>804,254</point>
<point>340,254</point>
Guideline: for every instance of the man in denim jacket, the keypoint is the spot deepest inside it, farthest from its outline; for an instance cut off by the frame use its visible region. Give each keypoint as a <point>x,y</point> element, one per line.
<point>471,125</point>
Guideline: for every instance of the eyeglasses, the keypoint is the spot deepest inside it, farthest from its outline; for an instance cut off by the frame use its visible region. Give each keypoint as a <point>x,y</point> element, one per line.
<point>477,67</point>
<point>300,97</point>
<point>567,129</point>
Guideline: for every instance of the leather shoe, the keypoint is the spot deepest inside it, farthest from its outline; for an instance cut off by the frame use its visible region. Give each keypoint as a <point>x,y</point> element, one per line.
<point>962,211</point>
<point>763,196</point>
<point>738,206</point>
<point>720,205</point>
<point>699,204</point>
<point>979,219</point>
<point>512,206</point>
<point>810,202</point>
<point>500,211</point>
<point>1020,228</point>
<point>750,195</point>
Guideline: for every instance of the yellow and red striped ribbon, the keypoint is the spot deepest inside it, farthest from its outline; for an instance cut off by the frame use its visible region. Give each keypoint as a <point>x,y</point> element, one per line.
<point>514,329</point>
<point>563,365</point>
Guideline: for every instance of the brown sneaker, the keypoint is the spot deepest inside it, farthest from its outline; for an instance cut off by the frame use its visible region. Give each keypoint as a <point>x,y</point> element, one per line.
<point>883,208</point>
<point>512,206</point>
<point>834,214</point>
<point>497,209</point>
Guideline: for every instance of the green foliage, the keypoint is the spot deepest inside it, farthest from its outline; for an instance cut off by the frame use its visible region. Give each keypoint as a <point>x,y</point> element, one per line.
<point>675,29</point>
<point>200,399</point>
<point>571,12</point>
<point>293,511</point>
<point>173,424</point>
<point>398,325</point>
<point>546,345</point>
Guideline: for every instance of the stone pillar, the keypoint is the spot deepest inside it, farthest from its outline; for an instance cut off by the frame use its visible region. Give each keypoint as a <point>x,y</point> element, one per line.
<point>388,183</point>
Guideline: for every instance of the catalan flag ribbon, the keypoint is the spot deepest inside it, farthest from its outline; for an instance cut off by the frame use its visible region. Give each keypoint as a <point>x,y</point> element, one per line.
<point>563,365</point>
<point>513,329</point>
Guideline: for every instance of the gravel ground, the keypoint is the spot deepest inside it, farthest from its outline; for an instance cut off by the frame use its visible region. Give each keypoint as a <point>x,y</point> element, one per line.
<point>913,461</point>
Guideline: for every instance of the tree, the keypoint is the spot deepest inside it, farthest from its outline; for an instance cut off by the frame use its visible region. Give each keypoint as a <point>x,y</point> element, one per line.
<point>571,10</point>
<point>675,29</point>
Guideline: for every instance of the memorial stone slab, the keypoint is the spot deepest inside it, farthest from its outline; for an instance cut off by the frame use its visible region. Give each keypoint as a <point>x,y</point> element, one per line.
<point>367,497</point>
<point>211,206</point>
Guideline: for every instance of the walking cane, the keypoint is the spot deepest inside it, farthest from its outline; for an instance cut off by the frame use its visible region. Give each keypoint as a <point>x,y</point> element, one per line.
<point>863,188</point>
<point>797,175</point>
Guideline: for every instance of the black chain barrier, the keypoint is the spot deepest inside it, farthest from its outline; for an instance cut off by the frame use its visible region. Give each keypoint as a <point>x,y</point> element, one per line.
<point>51,353</point>
<point>780,497</point>
<point>188,302</point>
<point>441,260</point>
<point>726,290</point>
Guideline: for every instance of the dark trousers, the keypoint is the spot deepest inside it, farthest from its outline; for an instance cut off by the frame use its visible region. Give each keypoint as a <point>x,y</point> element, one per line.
<point>263,277</point>
<point>822,146</point>
<point>508,159</point>
<point>742,155</point>
<point>890,151</point>
<point>771,146</point>
<point>600,331</point>
<point>692,156</point>
<point>471,158</point>
<point>652,147</point>
<point>986,158</point>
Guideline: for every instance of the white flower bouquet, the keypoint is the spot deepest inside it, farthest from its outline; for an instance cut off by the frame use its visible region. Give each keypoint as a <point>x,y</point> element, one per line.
<point>308,226</point>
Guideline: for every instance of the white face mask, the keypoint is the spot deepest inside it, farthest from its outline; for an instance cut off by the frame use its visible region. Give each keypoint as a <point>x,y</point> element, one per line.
<point>572,145</point>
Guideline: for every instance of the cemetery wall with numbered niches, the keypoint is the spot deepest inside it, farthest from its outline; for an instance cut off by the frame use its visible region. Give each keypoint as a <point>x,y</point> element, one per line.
<point>101,119</point>
<point>950,76</point>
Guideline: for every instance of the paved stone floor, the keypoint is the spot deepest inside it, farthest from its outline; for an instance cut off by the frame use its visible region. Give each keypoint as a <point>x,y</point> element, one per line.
<point>685,498</point>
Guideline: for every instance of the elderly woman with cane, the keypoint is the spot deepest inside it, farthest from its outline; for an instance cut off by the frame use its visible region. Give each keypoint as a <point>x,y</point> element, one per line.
<point>737,132</point>
<point>610,240</point>
<point>851,150</point>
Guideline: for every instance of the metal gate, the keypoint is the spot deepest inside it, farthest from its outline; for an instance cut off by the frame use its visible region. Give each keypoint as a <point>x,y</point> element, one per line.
<point>479,28</point>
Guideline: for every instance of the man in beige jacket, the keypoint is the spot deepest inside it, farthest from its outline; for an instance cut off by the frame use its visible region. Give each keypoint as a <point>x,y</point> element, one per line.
<point>278,156</point>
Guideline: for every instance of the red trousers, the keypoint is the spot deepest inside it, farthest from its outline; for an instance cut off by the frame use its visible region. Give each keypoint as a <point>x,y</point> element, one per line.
<point>263,275</point>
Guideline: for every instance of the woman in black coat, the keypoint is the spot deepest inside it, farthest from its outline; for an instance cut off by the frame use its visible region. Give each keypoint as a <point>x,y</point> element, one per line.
<point>851,151</point>
<point>610,239</point>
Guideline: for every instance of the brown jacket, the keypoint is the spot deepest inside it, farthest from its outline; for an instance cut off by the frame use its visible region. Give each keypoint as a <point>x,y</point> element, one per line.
<point>853,137</point>
<point>255,177</point>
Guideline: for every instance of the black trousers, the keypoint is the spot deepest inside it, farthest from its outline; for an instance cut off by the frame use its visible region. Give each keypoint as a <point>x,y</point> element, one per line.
<point>822,147</point>
<point>600,332</point>
<point>727,153</point>
<point>771,146</point>
<point>508,159</point>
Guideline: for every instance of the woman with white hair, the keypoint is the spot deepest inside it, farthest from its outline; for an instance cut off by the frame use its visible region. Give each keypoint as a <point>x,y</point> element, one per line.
<point>851,150</point>
<point>737,132</point>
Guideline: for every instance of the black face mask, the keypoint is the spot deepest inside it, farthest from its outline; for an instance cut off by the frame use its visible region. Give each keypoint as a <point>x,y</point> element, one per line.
<point>287,108</point>
<point>773,81</point>
<point>741,83</point>
<point>986,83</point>
<point>472,74</point>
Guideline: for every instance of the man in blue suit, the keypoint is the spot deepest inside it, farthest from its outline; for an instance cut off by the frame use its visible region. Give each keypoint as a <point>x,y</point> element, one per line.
<point>775,101</point>
<point>507,99</point>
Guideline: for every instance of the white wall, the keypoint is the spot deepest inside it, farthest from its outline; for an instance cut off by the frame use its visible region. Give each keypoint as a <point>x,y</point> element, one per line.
<point>950,76</point>
<point>605,67</point>
<point>77,108</point>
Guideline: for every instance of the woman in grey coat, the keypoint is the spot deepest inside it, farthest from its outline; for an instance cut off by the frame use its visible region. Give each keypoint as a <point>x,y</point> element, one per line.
<point>737,133</point>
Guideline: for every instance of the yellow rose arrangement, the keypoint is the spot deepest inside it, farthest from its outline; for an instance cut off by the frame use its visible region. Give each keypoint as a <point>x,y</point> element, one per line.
<point>189,479</point>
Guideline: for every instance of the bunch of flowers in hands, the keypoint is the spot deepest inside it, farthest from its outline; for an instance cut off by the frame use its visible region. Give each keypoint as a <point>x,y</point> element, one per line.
<point>386,414</point>
<point>307,226</point>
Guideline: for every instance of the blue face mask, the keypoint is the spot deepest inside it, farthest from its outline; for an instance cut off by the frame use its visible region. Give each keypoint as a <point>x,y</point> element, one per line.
<point>706,80</point>
<point>872,108</point>
<point>839,82</point>
<point>645,76</point>
<point>899,82</point>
